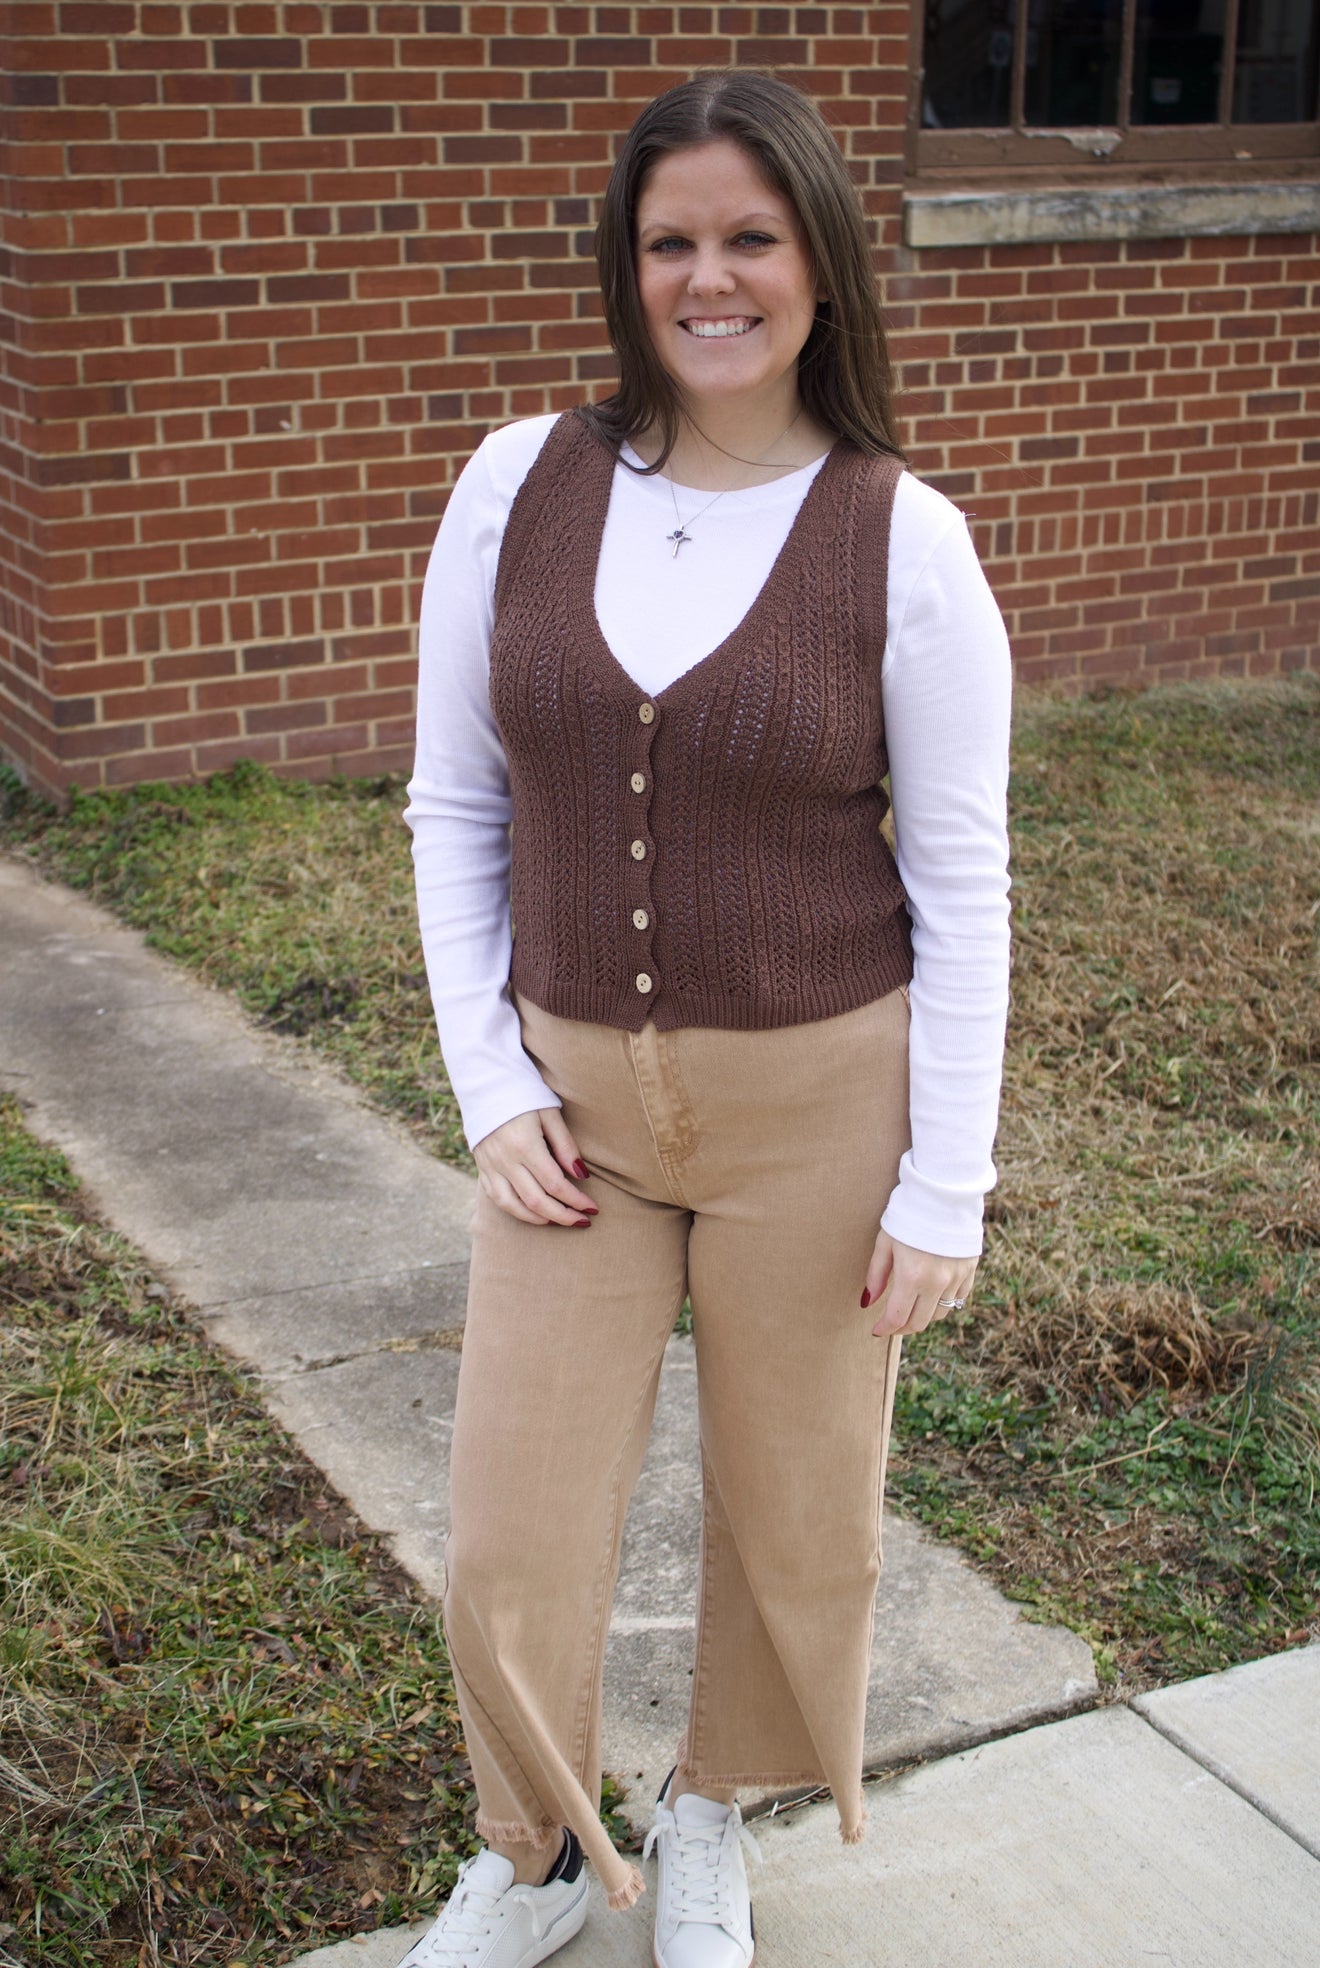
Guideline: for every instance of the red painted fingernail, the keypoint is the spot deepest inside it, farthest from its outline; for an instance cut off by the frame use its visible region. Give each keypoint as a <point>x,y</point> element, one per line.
<point>588,1209</point>
<point>583,1223</point>
<point>580,1169</point>
<point>866,1300</point>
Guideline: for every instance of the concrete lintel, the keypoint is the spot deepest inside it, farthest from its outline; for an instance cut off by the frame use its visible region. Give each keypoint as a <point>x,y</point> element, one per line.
<point>1022,216</point>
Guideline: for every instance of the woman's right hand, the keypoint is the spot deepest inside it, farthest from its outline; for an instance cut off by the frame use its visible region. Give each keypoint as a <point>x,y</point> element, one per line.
<point>524,1167</point>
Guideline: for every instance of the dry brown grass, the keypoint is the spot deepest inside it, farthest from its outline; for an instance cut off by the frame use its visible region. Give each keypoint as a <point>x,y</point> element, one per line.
<point>1115,1345</point>
<point>1165,1033</point>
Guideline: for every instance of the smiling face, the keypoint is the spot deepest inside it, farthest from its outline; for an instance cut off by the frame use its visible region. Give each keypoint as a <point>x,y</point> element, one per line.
<point>724,279</point>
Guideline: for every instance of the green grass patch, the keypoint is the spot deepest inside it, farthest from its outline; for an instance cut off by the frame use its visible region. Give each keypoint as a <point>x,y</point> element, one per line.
<point>1127,1432</point>
<point>227,1728</point>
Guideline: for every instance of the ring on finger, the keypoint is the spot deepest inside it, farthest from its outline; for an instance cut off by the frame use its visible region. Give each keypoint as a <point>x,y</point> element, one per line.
<point>951,1304</point>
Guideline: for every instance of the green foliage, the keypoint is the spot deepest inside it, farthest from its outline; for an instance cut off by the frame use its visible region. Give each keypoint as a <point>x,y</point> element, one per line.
<point>959,1410</point>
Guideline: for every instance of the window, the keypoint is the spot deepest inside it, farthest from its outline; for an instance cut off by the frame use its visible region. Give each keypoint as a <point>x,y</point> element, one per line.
<point>1148,82</point>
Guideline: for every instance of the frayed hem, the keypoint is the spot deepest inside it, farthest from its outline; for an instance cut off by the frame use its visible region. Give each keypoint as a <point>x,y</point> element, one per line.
<point>853,1834</point>
<point>508,1831</point>
<point>748,1780</point>
<point>628,1894</point>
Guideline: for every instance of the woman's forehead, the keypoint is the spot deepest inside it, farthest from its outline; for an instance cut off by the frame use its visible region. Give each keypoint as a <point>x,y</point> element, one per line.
<point>717,173</point>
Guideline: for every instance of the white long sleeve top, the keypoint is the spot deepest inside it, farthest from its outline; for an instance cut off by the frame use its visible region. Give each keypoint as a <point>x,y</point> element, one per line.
<point>945,681</point>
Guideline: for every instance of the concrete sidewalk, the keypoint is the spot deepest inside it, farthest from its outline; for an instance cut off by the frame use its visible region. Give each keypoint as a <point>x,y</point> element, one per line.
<point>324,1248</point>
<point>1187,1834</point>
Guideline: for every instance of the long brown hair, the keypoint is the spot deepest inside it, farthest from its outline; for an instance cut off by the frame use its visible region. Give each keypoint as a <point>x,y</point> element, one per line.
<point>844,374</point>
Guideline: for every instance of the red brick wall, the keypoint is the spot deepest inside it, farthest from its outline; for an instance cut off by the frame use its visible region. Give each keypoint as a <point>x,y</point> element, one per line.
<point>270,270</point>
<point>1136,427</point>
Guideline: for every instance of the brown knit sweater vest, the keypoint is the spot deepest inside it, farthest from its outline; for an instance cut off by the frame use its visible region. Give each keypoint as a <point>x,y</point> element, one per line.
<point>711,856</point>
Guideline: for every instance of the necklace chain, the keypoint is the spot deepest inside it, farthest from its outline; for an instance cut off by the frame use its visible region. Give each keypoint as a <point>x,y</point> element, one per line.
<point>680,537</point>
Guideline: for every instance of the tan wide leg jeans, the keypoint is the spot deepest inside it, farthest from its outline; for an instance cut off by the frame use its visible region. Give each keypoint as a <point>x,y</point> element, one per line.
<point>749,1171</point>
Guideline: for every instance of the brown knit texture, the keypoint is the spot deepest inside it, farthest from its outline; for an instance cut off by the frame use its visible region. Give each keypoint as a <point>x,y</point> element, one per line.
<point>770,895</point>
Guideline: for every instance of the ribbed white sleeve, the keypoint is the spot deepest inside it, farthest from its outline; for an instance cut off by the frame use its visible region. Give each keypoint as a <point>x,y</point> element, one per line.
<point>946,685</point>
<point>460,810</point>
<point>946,700</point>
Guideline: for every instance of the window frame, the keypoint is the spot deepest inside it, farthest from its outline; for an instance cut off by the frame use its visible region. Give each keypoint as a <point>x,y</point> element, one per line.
<point>1024,151</point>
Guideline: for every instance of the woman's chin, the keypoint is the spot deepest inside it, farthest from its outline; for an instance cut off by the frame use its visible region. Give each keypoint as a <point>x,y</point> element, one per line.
<point>727,384</point>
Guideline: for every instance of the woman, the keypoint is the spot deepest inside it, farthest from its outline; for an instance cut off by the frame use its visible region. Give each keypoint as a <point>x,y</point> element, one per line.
<point>678,641</point>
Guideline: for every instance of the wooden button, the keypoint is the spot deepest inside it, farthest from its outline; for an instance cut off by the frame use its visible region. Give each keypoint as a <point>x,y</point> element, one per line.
<point>638,782</point>
<point>643,982</point>
<point>646,712</point>
<point>638,850</point>
<point>640,919</point>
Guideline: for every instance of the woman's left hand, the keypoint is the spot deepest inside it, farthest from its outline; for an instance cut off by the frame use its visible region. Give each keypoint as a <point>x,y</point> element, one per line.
<point>912,1284</point>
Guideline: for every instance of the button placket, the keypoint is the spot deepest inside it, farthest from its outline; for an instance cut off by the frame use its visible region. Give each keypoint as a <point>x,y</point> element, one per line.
<point>639,849</point>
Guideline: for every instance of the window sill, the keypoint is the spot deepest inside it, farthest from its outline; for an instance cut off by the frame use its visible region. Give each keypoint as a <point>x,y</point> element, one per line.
<point>1048,214</point>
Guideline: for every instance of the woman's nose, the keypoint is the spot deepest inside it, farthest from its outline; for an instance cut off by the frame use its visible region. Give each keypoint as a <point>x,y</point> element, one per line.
<point>711,273</point>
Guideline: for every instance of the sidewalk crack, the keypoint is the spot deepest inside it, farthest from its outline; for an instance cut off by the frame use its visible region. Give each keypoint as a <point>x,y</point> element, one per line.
<point>1229,1781</point>
<point>405,1273</point>
<point>447,1339</point>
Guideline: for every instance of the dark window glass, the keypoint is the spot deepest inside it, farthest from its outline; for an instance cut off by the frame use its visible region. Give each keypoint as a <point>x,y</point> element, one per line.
<point>1274,79</point>
<point>968,56</point>
<point>1177,61</point>
<point>1073,59</point>
<point>1074,48</point>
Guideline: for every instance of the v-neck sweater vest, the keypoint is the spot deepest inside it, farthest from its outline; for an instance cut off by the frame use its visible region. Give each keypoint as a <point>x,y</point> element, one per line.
<point>710,856</point>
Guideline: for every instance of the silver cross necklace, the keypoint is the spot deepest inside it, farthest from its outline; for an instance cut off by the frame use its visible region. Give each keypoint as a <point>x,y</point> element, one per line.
<point>680,537</point>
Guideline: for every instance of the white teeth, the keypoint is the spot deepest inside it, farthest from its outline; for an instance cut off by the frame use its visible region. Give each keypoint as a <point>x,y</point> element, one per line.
<point>705,330</point>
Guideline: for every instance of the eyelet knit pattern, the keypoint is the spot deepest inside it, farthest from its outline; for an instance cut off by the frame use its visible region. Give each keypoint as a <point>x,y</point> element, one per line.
<point>753,855</point>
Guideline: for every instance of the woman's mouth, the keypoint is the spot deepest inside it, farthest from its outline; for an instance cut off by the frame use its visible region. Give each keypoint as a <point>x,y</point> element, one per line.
<point>727,325</point>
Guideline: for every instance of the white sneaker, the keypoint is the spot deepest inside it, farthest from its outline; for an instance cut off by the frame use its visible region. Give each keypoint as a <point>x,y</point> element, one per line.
<point>489,1922</point>
<point>703,1913</point>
